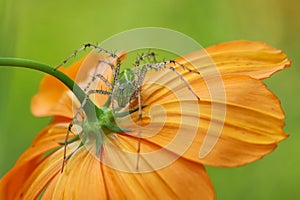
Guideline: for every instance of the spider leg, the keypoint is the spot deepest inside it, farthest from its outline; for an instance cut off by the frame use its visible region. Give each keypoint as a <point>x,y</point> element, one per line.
<point>184,81</point>
<point>138,64</point>
<point>109,84</point>
<point>83,47</point>
<point>65,147</point>
<point>75,120</point>
<point>102,78</point>
<point>111,65</point>
<point>140,117</point>
<point>140,74</point>
<point>182,66</point>
<point>71,56</point>
<point>164,65</point>
<point>66,142</point>
<point>116,68</point>
<point>104,92</point>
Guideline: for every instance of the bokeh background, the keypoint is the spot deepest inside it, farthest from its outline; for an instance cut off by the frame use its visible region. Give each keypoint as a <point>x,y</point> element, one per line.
<point>48,31</point>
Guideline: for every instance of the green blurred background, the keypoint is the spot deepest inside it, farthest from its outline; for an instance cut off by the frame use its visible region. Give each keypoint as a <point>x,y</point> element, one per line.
<point>48,31</point>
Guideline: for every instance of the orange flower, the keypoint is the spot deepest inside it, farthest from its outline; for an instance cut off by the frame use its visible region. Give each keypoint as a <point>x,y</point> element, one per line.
<point>175,127</point>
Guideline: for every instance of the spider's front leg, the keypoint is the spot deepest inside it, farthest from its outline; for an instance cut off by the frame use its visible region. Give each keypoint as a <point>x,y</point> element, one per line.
<point>93,46</point>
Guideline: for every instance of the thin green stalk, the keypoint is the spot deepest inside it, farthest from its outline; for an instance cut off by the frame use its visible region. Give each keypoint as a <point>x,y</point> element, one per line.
<point>89,107</point>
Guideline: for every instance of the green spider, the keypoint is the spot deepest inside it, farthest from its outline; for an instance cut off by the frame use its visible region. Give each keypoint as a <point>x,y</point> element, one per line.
<point>124,88</point>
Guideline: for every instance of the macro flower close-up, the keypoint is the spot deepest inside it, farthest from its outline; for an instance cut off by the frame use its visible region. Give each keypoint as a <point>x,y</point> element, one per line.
<point>213,111</point>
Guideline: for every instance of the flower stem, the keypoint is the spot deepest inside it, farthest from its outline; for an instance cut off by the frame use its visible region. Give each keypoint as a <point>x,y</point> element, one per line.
<point>89,107</point>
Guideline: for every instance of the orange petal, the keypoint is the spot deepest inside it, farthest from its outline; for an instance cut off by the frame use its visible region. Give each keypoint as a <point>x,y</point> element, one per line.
<point>192,182</point>
<point>85,177</point>
<point>11,183</point>
<point>181,180</point>
<point>82,178</point>
<point>15,182</point>
<point>255,59</point>
<point>45,141</point>
<point>253,124</point>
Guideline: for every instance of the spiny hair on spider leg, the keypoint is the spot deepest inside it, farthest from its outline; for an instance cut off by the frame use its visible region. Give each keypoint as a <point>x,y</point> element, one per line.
<point>142,57</point>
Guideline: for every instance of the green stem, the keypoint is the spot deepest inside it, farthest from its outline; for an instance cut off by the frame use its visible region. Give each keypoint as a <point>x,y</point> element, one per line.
<point>89,107</point>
